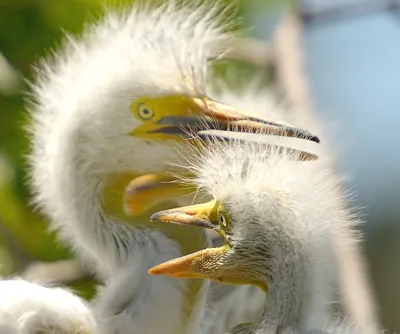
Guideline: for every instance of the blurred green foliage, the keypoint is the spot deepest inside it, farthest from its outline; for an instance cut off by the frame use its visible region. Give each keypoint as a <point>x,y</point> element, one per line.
<point>28,30</point>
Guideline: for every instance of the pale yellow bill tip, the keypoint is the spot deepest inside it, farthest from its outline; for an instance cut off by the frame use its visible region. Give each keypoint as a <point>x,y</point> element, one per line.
<point>182,267</point>
<point>175,268</point>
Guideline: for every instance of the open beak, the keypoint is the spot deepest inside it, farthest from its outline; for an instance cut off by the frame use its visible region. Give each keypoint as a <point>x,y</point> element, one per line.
<point>225,117</point>
<point>201,215</point>
<point>193,265</point>
<point>184,118</point>
<point>216,263</point>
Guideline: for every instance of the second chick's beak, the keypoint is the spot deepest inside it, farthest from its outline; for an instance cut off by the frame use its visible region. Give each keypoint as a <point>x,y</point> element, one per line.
<point>199,264</point>
<point>218,264</point>
<point>192,265</point>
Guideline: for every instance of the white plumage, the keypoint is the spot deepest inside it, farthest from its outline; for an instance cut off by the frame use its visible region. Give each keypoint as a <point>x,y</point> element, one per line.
<point>84,152</point>
<point>29,308</point>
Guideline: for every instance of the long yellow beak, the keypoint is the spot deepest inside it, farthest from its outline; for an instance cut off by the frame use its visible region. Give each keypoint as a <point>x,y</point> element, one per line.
<point>177,117</point>
<point>207,264</point>
<point>232,119</point>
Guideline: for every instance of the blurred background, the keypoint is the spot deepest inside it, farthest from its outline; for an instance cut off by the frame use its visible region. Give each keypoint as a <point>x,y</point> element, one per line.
<point>349,52</point>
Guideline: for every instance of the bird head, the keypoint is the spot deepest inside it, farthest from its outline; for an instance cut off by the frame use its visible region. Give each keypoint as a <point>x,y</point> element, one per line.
<point>136,81</point>
<point>264,207</point>
<point>229,263</point>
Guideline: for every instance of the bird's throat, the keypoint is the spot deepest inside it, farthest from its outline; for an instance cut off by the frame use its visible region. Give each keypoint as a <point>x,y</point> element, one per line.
<point>189,239</point>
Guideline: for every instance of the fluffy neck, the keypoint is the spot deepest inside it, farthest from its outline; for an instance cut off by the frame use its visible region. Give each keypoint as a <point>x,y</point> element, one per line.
<point>284,213</point>
<point>123,249</point>
<point>299,271</point>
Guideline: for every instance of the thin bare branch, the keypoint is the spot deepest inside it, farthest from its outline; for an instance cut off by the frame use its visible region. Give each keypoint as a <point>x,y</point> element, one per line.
<point>56,273</point>
<point>252,51</point>
<point>356,294</point>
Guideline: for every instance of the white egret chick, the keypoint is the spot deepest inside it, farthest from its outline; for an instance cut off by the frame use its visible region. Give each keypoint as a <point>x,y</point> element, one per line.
<point>277,216</point>
<point>107,109</point>
<point>29,308</point>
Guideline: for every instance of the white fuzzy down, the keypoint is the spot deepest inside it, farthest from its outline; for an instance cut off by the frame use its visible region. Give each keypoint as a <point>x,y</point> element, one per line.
<point>29,308</point>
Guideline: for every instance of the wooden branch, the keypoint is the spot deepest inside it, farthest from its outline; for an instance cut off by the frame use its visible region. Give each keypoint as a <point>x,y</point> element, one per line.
<point>249,50</point>
<point>341,11</point>
<point>57,273</point>
<point>355,292</point>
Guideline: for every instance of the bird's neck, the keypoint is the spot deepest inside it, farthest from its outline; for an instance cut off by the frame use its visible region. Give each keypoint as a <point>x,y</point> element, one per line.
<point>300,287</point>
<point>188,240</point>
<point>124,248</point>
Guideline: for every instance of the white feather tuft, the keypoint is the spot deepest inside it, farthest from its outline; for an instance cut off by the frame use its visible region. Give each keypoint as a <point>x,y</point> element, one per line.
<point>142,52</point>
<point>29,308</point>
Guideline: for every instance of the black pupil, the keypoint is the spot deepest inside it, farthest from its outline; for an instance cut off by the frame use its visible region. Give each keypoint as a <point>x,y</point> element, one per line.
<point>221,218</point>
<point>146,111</point>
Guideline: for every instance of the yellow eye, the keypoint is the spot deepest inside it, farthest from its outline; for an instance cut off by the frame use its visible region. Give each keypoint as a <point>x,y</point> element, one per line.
<point>144,111</point>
